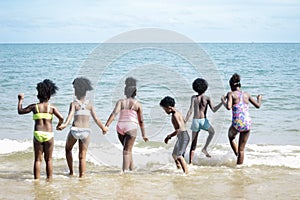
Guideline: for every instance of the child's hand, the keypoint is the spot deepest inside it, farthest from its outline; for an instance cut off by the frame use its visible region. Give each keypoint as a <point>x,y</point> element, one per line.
<point>145,139</point>
<point>21,96</point>
<point>223,98</point>
<point>167,139</point>
<point>104,130</point>
<point>61,127</point>
<point>259,97</point>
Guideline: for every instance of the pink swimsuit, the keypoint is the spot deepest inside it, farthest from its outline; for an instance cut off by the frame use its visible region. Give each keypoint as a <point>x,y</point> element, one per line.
<point>128,120</point>
<point>241,120</point>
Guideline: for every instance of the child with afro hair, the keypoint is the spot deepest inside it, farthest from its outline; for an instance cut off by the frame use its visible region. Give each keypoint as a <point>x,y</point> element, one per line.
<point>199,104</point>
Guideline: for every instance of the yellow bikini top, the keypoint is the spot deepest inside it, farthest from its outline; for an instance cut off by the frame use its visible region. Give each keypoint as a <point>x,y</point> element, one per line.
<point>39,115</point>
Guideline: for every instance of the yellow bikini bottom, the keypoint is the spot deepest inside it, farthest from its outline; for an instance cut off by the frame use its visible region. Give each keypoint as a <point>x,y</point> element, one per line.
<point>43,136</point>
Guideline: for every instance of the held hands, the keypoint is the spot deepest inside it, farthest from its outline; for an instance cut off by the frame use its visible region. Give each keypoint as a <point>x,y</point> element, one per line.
<point>60,127</point>
<point>104,130</point>
<point>223,98</point>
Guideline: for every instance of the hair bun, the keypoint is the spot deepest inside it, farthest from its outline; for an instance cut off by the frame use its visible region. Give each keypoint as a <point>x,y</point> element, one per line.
<point>236,78</point>
<point>130,81</point>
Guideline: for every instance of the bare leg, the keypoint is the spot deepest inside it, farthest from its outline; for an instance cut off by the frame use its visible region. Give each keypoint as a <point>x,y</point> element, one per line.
<point>127,150</point>
<point>68,149</point>
<point>48,150</point>
<point>193,146</point>
<point>211,133</point>
<point>183,164</point>
<point>178,165</point>
<point>38,154</point>
<point>83,146</point>
<point>131,165</point>
<point>242,143</point>
<point>231,136</point>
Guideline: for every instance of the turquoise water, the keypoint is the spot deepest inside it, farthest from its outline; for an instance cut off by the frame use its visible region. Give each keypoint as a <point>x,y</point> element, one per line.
<point>272,70</point>
<point>272,153</point>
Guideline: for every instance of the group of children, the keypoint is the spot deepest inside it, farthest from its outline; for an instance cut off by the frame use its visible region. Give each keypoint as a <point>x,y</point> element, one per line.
<point>130,117</point>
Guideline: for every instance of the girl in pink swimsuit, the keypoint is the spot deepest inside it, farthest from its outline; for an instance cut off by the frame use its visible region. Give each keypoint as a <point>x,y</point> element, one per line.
<point>238,101</point>
<point>131,115</point>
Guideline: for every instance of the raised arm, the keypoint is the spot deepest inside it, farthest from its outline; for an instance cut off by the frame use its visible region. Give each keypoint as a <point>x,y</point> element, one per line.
<point>20,108</point>
<point>141,122</point>
<point>257,103</point>
<point>212,107</point>
<point>190,111</point>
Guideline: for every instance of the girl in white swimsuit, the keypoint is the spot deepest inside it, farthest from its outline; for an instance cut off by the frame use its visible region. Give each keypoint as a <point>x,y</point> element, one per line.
<point>81,109</point>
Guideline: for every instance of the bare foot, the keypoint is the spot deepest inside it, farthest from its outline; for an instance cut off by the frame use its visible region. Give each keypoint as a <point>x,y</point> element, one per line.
<point>71,174</point>
<point>206,153</point>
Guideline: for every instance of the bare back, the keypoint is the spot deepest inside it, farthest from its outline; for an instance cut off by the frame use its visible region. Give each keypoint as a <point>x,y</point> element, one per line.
<point>127,104</point>
<point>43,124</point>
<point>233,98</point>
<point>200,103</point>
<point>81,121</point>
<point>236,100</point>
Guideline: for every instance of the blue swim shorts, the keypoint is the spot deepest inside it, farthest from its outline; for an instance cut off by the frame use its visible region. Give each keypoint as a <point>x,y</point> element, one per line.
<point>199,124</point>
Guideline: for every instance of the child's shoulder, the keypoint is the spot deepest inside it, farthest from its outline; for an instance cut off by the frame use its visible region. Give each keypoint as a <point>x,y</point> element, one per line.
<point>194,96</point>
<point>229,93</point>
<point>177,114</point>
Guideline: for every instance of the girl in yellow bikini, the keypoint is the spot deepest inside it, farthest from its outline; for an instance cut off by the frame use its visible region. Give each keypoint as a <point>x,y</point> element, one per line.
<point>43,112</point>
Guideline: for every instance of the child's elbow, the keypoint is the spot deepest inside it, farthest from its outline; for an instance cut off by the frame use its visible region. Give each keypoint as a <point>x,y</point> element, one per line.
<point>214,110</point>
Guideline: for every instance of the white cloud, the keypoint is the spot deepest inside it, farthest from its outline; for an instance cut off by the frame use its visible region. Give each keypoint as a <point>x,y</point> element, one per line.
<point>99,20</point>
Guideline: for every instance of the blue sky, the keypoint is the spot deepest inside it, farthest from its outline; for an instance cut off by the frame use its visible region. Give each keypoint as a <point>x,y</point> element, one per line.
<point>99,20</point>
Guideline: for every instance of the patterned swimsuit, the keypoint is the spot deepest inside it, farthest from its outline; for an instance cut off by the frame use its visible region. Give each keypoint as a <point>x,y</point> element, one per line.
<point>241,120</point>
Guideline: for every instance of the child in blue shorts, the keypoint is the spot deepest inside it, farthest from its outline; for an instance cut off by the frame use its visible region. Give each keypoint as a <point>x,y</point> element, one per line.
<point>199,104</point>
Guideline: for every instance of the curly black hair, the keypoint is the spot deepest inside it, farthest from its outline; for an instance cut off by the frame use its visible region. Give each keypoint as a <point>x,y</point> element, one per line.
<point>200,85</point>
<point>46,89</point>
<point>81,85</point>
<point>167,101</point>
<point>130,87</point>
<point>234,81</point>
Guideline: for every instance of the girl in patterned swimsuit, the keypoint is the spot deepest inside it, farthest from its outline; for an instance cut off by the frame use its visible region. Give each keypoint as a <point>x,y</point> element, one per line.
<point>131,115</point>
<point>238,102</point>
<point>43,141</point>
<point>80,131</point>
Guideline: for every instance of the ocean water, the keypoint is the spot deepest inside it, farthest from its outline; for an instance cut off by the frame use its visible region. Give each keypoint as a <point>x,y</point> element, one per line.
<point>272,163</point>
